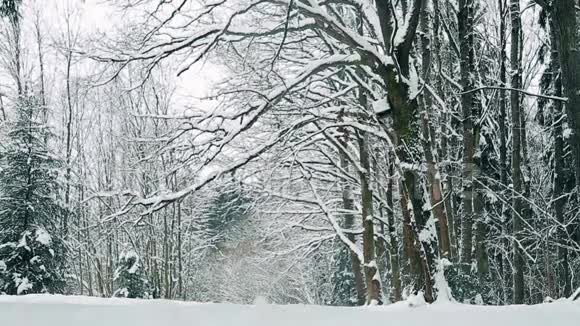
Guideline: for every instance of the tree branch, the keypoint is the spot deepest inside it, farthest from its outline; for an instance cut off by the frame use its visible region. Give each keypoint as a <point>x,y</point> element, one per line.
<point>548,97</point>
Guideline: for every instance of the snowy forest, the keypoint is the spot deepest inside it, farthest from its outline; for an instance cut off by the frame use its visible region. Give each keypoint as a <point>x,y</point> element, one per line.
<point>328,152</point>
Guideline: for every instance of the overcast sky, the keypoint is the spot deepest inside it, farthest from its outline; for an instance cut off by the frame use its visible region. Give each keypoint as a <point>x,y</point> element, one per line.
<point>95,19</point>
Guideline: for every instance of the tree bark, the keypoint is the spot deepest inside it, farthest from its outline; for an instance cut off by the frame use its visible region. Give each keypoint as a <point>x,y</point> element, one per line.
<point>349,221</point>
<point>567,39</point>
<point>445,138</point>
<point>562,269</point>
<point>371,272</point>
<point>179,254</point>
<point>433,174</point>
<point>15,23</point>
<point>396,294</point>
<point>407,129</point>
<point>469,107</point>
<point>516,73</point>
<point>503,158</point>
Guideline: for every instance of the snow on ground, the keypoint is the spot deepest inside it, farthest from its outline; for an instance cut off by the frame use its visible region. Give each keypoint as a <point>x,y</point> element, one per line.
<point>41,310</point>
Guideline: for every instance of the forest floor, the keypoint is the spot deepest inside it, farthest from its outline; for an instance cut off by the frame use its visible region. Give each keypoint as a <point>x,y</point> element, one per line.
<point>63,311</point>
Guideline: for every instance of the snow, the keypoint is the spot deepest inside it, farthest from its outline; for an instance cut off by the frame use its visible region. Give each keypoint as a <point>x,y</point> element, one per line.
<point>416,300</point>
<point>429,231</point>
<point>381,106</point>
<point>131,255</point>
<point>23,286</point>
<point>43,237</point>
<point>8,244</point>
<point>491,197</point>
<point>261,300</point>
<point>444,294</point>
<point>63,311</point>
<point>133,268</point>
<point>413,82</point>
<point>22,243</point>
<point>576,295</point>
<point>400,33</point>
<point>123,293</point>
<point>34,260</point>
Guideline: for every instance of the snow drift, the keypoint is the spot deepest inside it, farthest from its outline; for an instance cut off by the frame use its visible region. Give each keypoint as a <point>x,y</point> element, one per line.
<point>62,311</point>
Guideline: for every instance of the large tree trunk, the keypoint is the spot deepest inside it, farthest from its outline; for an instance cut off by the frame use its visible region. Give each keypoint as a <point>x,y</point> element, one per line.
<point>382,255</point>
<point>407,128</point>
<point>559,201</point>
<point>503,158</point>
<point>469,105</point>
<point>567,39</point>
<point>516,73</point>
<point>348,205</point>
<point>371,271</point>
<point>409,240</point>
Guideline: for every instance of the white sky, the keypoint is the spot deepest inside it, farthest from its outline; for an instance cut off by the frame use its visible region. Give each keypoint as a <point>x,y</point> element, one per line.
<point>94,19</point>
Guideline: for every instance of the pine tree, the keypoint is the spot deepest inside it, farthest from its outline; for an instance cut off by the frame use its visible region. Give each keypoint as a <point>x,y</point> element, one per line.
<point>226,210</point>
<point>30,265</point>
<point>343,282</point>
<point>9,8</point>
<point>129,278</point>
<point>31,258</point>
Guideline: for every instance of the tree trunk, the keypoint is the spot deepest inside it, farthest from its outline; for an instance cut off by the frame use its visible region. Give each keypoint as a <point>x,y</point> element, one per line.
<point>179,254</point>
<point>516,73</point>
<point>407,128</point>
<point>567,39</point>
<point>396,294</point>
<point>469,107</point>
<point>503,158</point>
<point>443,150</point>
<point>41,67</point>
<point>16,29</point>
<point>371,271</point>
<point>481,258</point>
<point>349,221</point>
<point>382,255</point>
<point>559,201</point>
<point>433,174</point>
<point>166,263</point>
<point>68,146</point>
<point>409,240</point>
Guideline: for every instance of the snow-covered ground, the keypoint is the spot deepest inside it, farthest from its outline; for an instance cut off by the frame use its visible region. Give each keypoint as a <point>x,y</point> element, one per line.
<point>63,311</point>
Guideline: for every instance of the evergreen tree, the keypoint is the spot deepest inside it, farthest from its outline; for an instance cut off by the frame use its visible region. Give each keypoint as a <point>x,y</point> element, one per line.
<point>31,258</point>
<point>227,209</point>
<point>130,279</point>
<point>343,283</point>
<point>30,265</point>
<point>9,8</point>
